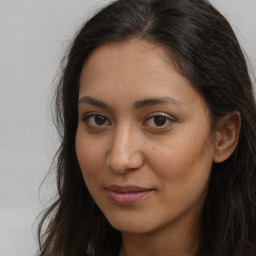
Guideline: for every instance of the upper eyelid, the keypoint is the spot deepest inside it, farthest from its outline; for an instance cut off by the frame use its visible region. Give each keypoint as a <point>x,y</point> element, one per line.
<point>161,114</point>
<point>88,114</point>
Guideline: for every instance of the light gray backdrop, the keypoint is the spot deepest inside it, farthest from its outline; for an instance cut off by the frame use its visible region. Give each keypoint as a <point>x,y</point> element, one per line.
<point>33,37</point>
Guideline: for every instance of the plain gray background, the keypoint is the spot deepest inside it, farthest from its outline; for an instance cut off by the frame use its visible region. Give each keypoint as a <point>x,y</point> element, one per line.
<point>33,38</point>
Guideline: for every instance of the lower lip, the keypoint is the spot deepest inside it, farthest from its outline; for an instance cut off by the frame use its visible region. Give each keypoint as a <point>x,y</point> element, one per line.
<point>127,198</point>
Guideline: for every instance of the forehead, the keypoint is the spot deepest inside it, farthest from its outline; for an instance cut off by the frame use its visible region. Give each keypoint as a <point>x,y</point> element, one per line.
<point>130,60</point>
<point>136,56</point>
<point>134,68</point>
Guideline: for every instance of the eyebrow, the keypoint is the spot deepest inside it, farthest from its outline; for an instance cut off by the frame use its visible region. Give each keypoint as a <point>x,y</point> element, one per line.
<point>156,101</point>
<point>93,101</point>
<point>137,104</point>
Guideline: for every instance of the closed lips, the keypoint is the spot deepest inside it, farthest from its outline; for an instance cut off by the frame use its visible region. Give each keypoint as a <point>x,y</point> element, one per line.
<point>125,195</point>
<point>126,189</point>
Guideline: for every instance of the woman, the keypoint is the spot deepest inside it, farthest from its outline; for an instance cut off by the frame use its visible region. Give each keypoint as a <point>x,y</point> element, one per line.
<point>158,124</point>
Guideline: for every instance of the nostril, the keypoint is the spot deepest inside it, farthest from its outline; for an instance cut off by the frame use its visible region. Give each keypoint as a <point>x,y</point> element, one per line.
<point>120,163</point>
<point>116,164</point>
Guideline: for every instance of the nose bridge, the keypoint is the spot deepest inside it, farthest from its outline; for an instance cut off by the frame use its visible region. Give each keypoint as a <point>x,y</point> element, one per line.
<point>125,152</point>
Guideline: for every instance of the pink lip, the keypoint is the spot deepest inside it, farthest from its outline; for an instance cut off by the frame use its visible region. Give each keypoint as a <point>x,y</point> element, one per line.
<point>126,195</point>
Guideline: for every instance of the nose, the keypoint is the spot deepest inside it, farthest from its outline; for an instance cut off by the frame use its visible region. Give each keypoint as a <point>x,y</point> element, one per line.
<point>126,152</point>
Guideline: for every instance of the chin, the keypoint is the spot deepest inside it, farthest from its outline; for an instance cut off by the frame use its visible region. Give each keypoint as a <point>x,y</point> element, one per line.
<point>130,228</point>
<point>131,225</point>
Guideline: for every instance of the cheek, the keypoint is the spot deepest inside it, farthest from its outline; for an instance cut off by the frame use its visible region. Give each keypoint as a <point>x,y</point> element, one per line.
<point>183,164</point>
<point>184,175</point>
<point>91,158</point>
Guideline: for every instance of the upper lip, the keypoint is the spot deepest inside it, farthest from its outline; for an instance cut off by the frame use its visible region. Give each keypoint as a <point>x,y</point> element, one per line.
<point>126,188</point>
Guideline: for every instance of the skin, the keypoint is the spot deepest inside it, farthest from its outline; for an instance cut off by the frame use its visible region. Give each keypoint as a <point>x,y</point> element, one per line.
<point>129,147</point>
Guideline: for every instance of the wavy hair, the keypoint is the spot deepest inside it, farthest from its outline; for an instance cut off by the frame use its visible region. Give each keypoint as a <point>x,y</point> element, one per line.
<point>205,50</point>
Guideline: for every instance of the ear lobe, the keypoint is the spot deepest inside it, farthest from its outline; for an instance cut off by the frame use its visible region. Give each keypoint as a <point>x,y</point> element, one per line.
<point>227,135</point>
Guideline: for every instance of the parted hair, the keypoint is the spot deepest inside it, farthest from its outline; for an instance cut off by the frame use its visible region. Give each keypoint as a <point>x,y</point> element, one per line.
<point>203,47</point>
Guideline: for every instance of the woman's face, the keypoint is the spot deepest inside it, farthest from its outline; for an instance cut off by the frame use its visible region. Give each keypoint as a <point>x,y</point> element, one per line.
<point>144,141</point>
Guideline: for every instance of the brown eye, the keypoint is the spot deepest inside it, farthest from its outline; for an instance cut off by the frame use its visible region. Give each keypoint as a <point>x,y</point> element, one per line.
<point>96,120</point>
<point>160,120</point>
<point>99,120</point>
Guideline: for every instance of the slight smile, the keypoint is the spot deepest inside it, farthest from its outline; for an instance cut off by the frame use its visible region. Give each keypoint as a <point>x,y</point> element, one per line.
<point>126,195</point>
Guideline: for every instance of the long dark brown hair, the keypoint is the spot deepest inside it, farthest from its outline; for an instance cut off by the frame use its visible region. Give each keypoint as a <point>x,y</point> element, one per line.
<point>205,50</point>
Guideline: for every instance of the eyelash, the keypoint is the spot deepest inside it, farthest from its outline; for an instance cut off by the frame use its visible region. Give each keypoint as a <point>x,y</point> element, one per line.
<point>87,117</point>
<point>165,118</point>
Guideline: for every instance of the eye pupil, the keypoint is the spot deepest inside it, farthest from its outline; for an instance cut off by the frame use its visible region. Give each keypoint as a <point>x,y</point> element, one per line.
<point>99,120</point>
<point>159,120</point>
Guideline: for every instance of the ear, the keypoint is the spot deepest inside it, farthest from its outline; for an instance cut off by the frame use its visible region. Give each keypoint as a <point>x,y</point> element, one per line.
<point>227,135</point>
